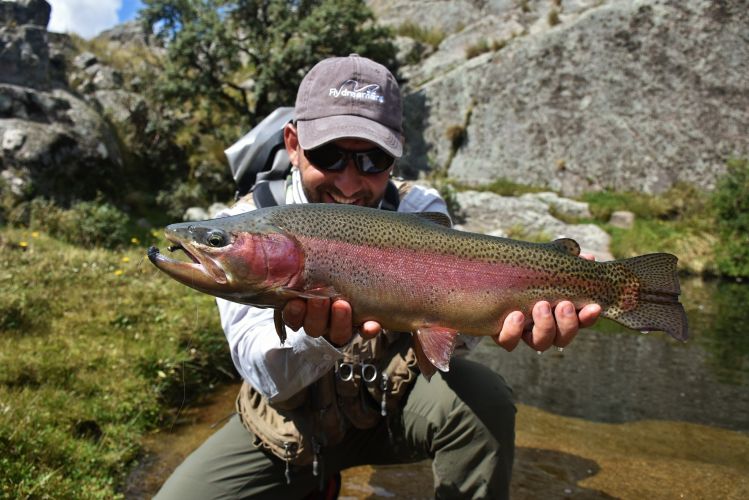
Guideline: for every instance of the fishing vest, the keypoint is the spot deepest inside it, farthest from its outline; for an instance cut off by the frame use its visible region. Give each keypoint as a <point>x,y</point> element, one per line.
<point>365,387</point>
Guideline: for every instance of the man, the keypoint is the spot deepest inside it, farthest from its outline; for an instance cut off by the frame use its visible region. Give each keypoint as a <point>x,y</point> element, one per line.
<point>336,395</point>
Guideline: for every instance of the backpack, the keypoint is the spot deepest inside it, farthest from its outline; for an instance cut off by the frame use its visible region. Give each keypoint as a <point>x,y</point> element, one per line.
<point>259,163</point>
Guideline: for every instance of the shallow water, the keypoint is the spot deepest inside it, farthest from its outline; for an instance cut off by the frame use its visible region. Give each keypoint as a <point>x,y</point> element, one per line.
<point>617,375</point>
<point>617,414</point>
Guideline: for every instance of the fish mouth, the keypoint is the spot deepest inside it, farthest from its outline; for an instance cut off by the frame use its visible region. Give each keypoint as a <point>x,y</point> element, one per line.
<point>199,273</point>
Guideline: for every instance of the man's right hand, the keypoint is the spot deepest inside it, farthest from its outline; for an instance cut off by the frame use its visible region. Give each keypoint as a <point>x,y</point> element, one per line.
<point>320,318</point>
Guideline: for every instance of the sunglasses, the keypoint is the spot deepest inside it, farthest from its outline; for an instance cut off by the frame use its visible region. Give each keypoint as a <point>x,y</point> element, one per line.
<point>331,158</point>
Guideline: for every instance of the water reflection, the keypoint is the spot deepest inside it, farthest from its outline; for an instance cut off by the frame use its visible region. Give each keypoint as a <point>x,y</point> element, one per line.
<point>616,375</point>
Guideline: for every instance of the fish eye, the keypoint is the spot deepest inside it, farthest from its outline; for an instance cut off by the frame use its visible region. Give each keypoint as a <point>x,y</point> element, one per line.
<point>216,238</point>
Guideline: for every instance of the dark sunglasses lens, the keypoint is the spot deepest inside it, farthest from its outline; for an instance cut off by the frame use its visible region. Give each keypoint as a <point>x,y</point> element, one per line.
<point>374,162</point>
<point>327,157</point>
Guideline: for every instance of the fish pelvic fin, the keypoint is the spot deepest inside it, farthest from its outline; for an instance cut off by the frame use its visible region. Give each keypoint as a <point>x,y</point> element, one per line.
<point>657,303</point>
<point>434,346</point>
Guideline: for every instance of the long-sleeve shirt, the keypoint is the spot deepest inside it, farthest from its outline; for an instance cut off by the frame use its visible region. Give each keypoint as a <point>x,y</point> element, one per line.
<point>280,371</point>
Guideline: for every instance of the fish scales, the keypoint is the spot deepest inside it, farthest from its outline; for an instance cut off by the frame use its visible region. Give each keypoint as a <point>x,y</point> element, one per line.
<point>409,273</point>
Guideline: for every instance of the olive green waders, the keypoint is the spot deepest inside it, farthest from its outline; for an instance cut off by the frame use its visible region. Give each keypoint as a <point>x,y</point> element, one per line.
<point>464,420</point>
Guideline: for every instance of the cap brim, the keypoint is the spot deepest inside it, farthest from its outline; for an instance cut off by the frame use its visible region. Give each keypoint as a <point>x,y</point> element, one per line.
<point>315,133</point>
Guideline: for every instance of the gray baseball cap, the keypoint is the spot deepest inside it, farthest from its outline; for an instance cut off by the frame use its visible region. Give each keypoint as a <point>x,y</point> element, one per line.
<point>350,97</point>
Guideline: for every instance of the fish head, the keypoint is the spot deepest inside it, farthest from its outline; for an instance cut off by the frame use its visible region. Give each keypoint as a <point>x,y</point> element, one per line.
<point>252,264</point>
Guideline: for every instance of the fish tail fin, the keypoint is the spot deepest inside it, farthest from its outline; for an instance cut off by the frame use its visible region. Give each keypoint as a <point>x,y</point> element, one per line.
<point>656,306</point>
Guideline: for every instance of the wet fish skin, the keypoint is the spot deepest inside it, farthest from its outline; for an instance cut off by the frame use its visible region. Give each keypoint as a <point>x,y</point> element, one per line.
<point>411,274</point>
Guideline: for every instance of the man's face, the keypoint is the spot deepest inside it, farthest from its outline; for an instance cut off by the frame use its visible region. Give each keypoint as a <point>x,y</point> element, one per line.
<point>348,186</point>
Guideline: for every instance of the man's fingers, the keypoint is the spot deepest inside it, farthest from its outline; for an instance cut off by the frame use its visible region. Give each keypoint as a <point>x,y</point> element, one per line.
<point>293,313</point>
<point>340,322</point>
<point>567,323</point>
<point>370,329</point>
<point>316,319</point>
<point>589,315</point>
<point>512,331</point>
<point>544,328</point>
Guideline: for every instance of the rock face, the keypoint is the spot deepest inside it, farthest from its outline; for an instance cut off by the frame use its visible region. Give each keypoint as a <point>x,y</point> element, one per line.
<point>624,95</point>
<point>24,58</point>
<point>54,144</point>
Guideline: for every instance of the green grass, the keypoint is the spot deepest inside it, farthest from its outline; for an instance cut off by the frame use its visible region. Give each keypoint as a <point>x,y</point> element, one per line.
<point>678,221</point>
<point>96,348</point>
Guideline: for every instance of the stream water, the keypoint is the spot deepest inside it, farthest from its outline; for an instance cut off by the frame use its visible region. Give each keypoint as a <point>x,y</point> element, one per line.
<point>617,414</point>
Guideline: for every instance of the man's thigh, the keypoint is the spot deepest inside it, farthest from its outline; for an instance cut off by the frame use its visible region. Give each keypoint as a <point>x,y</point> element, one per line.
<point>465,420</point>
<point>229,465</point>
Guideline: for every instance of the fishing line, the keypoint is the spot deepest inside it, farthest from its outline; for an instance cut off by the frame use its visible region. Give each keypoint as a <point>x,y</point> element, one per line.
<point>184,367</point>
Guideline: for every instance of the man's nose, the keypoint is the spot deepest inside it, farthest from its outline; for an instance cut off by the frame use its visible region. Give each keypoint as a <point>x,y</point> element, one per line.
<point>348,180</point>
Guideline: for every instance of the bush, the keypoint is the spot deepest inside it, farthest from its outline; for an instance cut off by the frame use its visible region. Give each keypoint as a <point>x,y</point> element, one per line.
<point>86,223</point>
<point>731,203</point>
<point>428,36</point>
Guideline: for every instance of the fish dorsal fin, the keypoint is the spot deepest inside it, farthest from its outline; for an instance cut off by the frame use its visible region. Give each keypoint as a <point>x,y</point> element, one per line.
<point>566,245</point>
<point>436,217</point>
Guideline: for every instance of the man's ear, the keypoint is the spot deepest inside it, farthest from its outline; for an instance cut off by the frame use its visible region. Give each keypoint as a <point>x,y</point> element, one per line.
<point>291,141</point>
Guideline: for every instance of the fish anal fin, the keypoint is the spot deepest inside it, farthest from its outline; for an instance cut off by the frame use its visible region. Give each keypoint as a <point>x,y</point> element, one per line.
<point>566,245</point>
<point>437,344</point>
<point>436,217</point>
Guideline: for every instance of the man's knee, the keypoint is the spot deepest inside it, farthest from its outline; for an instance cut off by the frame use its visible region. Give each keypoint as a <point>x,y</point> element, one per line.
<point>467,397</point>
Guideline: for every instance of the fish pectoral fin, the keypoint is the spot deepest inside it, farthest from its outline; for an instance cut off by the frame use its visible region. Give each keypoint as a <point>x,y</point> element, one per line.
<point>324,292</point>
<point>437,345</point>
<point>280,326</point>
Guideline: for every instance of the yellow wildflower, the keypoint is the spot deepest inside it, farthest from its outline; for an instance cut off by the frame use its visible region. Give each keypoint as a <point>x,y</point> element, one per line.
<point>23,244</point>
<point>35,234</point>
<point>126,259</point>
<point>134,240</point>
<point>118,272</point>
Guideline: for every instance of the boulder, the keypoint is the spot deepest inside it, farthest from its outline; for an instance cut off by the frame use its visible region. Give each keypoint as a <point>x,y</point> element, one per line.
<point>625,95</point>
<point>623,219</point>
<point>529,217</point>
<point>24,54</point>
<point>55,145</point>
<point>25,12</point>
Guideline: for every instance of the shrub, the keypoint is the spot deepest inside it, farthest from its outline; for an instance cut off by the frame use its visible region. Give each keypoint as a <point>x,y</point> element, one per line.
<point>86,223</point>
<point>428,36</point>
<point>477,49</point>
<point>553,17</point>
<point>731,202</point>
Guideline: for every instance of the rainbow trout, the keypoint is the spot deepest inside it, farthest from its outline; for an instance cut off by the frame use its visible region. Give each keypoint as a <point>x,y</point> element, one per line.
<point>412,273</point>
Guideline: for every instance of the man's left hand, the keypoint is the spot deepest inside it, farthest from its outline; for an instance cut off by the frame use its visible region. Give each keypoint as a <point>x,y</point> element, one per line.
<point>549,329</point>
<point>557,329</point>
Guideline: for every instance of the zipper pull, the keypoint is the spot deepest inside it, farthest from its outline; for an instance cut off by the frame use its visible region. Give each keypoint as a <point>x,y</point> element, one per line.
<point>315,461</point>
<point>289,451</point>
<point>384,387</point>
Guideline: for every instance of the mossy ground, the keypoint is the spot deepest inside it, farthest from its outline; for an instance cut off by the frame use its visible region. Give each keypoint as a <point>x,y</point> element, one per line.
<point>96,347</point>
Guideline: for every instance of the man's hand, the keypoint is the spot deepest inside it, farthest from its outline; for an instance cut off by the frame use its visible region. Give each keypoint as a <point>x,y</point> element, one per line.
<point>549,329</point>
<point>320,318</point>
<point>557,329</point>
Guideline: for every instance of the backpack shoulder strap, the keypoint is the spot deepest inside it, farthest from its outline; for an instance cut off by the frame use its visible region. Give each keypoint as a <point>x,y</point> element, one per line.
<point>269,193</point>
<point>392,198</point>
